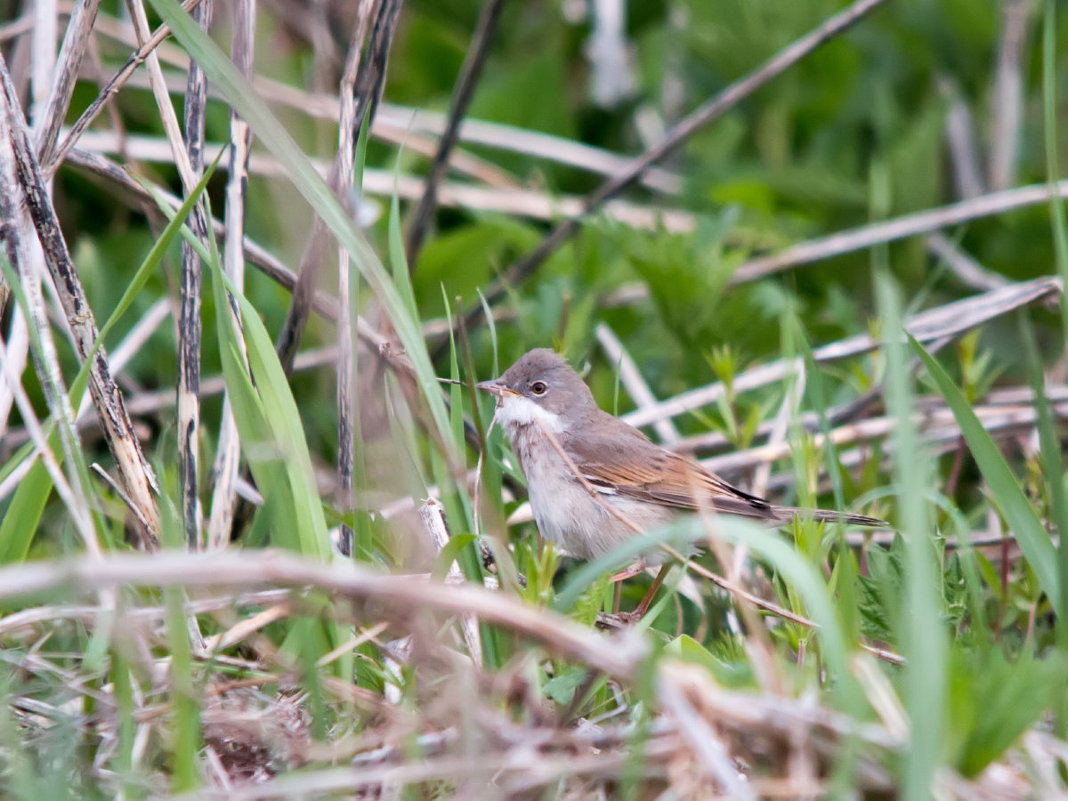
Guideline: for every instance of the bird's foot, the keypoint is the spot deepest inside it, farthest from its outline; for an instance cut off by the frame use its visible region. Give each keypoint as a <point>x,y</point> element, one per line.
<point>629,572</point>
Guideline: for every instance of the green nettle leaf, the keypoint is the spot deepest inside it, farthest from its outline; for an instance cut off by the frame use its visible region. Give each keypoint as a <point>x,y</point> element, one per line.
<point>686,275</point>
<point>726,659</point>
<point>463,260</point>
<point>562,688</point>
<point>879,591</point>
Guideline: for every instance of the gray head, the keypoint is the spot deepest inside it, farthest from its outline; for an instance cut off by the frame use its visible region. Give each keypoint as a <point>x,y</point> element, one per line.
<point>543,378</point>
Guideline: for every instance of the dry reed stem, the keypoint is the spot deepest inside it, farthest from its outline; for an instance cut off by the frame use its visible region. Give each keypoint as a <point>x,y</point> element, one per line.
<point>344,172</point>
<point>139,197</point>
<point>402,126</point>
<point>527,202</point>
<point>432,513</point>
<point>631,379</point>
<point>949,320</point>
<point>960,141</point>
<point>967,270</point>
<point>151,402</point>
<point>1007,104</point>
<point>190,328</point>
<point>370,81</point>
<point>139,56</point>
<point>713,441</point>
<point>43,37</point>
<point>619,656</point>
<point>138,479</point>
<point>694,704</point>
<point>921,222</point>
<point>936,426</point>
<point>16,231</point>
<point>62,78</point>
<point>224,470</point>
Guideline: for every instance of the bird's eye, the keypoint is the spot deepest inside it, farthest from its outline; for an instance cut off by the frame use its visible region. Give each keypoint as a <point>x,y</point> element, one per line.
<point>538,387</point>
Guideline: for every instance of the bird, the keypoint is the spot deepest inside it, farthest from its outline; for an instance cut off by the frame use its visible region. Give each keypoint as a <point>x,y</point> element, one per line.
<point>594,481</point>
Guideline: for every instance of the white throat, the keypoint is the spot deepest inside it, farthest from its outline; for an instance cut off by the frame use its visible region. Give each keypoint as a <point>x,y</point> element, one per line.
<point>515,412</point>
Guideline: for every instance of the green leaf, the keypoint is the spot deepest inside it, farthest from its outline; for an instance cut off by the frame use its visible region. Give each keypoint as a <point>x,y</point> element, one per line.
<point>995,700</point>
<point>23,516</point>
<point>449,554</point>
<point>562,688</point>
<point>1005,490</point>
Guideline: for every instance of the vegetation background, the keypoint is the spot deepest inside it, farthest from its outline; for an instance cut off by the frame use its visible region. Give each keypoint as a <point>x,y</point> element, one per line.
<point>221,576</point>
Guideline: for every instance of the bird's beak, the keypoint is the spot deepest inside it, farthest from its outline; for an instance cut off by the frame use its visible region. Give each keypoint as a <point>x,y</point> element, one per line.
<point>496,387</point>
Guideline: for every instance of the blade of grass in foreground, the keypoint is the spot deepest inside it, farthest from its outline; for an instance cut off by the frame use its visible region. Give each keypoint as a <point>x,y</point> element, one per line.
<point>924,686</point>
<point>1005,490</point>
<point>266,413</point>
<point>1052,462</point>
<point>270,422</point>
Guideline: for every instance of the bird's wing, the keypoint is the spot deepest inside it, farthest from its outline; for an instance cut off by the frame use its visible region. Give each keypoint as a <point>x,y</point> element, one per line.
<point>623,461</point>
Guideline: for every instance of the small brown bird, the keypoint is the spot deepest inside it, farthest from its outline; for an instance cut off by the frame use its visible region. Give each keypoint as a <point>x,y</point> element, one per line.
<point>541,399</point>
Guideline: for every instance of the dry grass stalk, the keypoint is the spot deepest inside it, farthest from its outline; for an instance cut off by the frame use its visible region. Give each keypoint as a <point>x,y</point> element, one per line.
<point>189,292</point>
<point>224,471</point>
<point>143,52</point>
<point>138,479</point>
<point>511,199</point>
<point>366,93</point>
<point>921,222</point>
<point>344,169</point>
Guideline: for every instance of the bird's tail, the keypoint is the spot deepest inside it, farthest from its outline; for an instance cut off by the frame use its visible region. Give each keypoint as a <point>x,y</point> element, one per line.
<point>785,514</point>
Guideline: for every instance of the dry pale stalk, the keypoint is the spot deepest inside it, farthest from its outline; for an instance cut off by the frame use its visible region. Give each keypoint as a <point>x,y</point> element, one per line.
<point>138,479</point>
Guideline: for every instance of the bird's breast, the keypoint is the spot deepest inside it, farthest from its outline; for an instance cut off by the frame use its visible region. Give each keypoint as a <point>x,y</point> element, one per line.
<point>565,511</point>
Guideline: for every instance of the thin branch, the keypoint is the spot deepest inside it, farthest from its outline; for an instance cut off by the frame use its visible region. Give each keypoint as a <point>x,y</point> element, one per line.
<point>470,72</point>
<point>898,228</point>
<point>711,110</point>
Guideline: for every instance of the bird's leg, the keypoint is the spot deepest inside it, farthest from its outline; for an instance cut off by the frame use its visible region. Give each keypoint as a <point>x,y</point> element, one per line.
<point>629,572</point>
<point>647,601</point>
